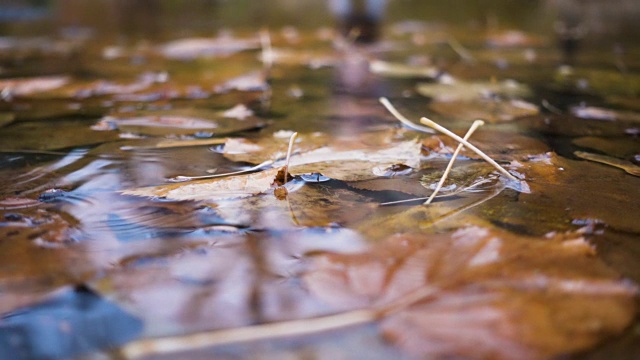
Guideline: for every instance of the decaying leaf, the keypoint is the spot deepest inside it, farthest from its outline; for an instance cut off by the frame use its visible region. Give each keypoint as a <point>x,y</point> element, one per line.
<point>486,293</point>
<point>187,49</point>
<point>178,121</point>
<point>238,186</point>
<point>342,159</point>
<point>499,145</point>
<point>253,81</point>
<point>491,110</point>
<point>467,91</point>
<point>398,70</point>
<point>630,168</point>
<point>462,176</point>
<point>598,113</point>
<point>30,86</point>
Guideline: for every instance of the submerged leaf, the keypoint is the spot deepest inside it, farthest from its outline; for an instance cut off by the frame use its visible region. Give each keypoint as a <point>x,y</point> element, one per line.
<point>486,293</point>
<point>398,70</point>
<point>467,91</point>
<point>187,49</point>
<point>178,121</point>
<point>630,168</point>
<point>30,86</point>
<point>491,110</point>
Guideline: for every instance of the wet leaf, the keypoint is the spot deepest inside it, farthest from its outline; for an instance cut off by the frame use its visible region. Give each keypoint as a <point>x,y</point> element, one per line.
<point>467,91</point>
<point>399,70</point>
<point>253,81</point>
<point>627,166</point>
<point>462,176</point>
<point>238,186</point>
<point>177,121</point>
<point>490,110</point>
<point>499,145</point>
<point>509,296</point>
<point>598,113</point>
<point>621,148</point>
<point>51,135</point>
<point>191,48</point>
<point>6,118</point>
<point>30,86</point>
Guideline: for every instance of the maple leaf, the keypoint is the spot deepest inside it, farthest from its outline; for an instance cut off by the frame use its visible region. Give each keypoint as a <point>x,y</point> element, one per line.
<point>485,293</point>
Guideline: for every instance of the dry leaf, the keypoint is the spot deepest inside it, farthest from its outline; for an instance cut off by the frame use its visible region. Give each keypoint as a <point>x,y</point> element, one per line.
<point>399,70</point>
<point>30,86</point>
<point>488,293</point>
<point>467,91</point>
<point>238,186</point>
<point>187,49</point>
<point>490,110</point>
<point>177,121</point>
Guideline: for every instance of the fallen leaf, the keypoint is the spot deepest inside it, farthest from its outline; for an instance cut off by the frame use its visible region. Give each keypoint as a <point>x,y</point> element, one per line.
<point>399,70</point>
<point>238,186</point>
<point>177,121</point>
<point>499,145</point>
<point>490,110</point>
<point>467,91</point>
<point>486,293</point>
<point>253,81</point>
<point>598,113</point>
<point>30,86</point>
<point>627,166</point>
<point>191,48</point>
<point>6,118</point>
<point>624,148</point>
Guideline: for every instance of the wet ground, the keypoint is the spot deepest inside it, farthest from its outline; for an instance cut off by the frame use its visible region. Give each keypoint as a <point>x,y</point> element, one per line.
<point>104,255</point>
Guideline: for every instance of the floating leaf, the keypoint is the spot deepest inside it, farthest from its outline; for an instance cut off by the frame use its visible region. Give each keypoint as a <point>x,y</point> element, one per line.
<point>253,81</point>
<point>238,186</point>
<point>191,48</point>
<point>30,86</point>
<point>6,118</point>
<point>467,91</point>
<point>598,113</point>
<point>398,70</point>
<point>630,168</point>
<point>462,176</point>
<point>499,145</point>
<point>177,121</point>
<point>490,110</point>
<point>484,293</point>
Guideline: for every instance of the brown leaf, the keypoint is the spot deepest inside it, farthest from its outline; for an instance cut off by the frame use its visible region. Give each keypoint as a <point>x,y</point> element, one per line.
<point>492,294</point>
<point>238,186</point>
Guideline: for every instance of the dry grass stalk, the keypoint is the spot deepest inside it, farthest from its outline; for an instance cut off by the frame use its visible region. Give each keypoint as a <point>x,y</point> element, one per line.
<point>406,122</point>
<point>432,124</point>
<point>447,170</point>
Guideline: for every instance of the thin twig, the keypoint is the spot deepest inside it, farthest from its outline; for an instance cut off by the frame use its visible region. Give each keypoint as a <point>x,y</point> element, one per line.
<point>461,50</point>
<point>443,130</point>
<point>267,50</point>
<point>142,348</point>
<point>408,123</point>
<point>181,178</point>
<point>292,139</point>
<point>473,128</point>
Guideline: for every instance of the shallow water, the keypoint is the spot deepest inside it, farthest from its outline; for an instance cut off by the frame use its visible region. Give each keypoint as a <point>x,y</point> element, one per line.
<point>74,74</point>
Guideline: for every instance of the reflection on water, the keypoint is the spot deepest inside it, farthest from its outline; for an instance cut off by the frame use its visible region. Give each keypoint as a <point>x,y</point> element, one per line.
<point>72,322</point>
